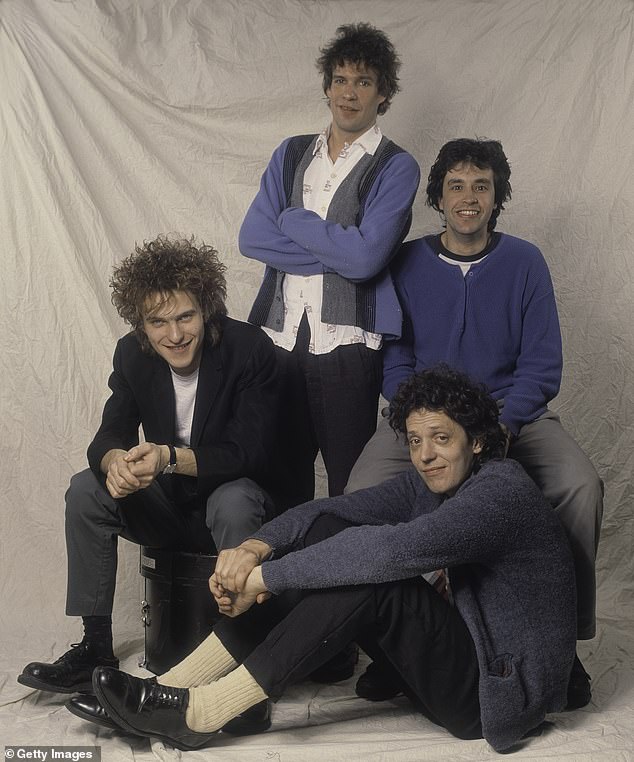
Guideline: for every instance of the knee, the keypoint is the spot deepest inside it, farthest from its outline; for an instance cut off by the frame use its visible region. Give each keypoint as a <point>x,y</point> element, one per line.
<point>584,486</point>
<point>580,505</point>
<point>83,488</point>
<point>234,503</point>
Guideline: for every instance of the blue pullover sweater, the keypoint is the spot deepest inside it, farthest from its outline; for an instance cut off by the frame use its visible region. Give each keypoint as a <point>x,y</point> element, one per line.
<point>498,324</point>
<point>511,571</point>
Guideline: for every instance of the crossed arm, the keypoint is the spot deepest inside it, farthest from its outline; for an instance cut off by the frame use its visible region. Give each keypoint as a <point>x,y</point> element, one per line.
<point>298,241</point>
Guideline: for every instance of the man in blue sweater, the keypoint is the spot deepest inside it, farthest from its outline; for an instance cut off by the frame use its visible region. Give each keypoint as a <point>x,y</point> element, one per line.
<point>483,302</point>
<point>331,212</point>
<point>491,663</point>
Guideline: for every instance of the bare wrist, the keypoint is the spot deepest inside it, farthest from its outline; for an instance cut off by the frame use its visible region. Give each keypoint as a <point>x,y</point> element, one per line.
<point>255,583</point>
<point>260,549</point>
<point>164,456</point>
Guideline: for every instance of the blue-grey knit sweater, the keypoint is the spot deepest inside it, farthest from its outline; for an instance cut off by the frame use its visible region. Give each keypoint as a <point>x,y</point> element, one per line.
<point>511,574</point>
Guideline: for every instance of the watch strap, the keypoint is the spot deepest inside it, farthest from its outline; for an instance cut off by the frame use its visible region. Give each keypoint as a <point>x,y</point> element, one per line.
<point>171,466</point>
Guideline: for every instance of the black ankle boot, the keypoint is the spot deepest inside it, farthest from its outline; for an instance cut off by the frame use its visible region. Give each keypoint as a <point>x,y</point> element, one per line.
<point>71,673</point>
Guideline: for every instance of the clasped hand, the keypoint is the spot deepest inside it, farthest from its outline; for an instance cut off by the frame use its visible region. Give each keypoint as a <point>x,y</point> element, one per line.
<point>134,469</point>
<point>237,582</point>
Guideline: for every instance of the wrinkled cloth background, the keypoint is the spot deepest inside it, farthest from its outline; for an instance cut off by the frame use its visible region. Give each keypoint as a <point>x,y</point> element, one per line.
<point>123,119</point>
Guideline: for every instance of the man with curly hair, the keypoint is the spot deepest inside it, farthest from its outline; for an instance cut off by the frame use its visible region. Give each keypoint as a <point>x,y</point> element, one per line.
<point>331,212</point>
<point>205,390</point>
<point>491,663</point>
<point>483,302</point>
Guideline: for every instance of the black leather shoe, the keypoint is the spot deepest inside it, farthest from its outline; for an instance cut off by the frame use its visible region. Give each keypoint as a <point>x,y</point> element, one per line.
<point>254,720</point>
<point>145,708</point>
<point>579,693</point>
<point>71,673</point>
<point>89,708</point>
<point>340,667</point>
<point>376,685</point>
<point>257,719</point>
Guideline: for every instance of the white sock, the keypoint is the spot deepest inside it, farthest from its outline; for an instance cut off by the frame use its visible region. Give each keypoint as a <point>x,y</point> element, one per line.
<point>206,663</point>
<point>212,706</point>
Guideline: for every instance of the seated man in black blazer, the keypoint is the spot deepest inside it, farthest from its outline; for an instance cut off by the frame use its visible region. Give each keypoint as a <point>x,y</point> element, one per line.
<point>207,474</point>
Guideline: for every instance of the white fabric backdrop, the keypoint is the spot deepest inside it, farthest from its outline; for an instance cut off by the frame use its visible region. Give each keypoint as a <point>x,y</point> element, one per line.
<point>122,119</point>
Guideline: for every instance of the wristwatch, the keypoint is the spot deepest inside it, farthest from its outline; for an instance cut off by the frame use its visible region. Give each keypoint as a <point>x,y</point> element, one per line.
<point>171,466</point>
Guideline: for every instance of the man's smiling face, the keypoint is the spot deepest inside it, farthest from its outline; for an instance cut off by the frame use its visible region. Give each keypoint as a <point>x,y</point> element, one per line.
<point>440,450</point>
<point>468,200</point>
<point>174,325</point>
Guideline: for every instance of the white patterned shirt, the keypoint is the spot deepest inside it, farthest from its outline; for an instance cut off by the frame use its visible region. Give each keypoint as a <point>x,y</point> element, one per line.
<point>303,293</point>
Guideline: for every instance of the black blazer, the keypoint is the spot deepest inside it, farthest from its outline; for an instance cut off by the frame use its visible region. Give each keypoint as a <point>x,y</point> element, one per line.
<point>234,429</point>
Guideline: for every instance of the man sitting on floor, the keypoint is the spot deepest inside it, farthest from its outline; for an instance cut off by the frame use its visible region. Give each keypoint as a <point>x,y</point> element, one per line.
<point>491,664</point>
<point>205,390</point>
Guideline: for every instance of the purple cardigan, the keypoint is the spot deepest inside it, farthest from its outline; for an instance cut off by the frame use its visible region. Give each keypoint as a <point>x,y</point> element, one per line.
<point>498,324</point>
<point>297,241</point>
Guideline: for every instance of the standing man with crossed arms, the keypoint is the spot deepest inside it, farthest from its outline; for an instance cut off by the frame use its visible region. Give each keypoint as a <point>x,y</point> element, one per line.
<point>330,214</point>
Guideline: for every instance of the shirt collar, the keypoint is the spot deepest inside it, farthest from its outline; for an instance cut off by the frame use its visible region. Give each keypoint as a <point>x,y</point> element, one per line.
<point>369,141</point>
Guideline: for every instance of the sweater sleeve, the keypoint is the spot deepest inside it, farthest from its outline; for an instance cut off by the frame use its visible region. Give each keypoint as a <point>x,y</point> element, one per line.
<point>359,253</point>
<point>399,356</point>
<point>537,374</point>
<point>399,359</point>
<point>286,532</point>
<point>261,236</point>
<point>473,526</point>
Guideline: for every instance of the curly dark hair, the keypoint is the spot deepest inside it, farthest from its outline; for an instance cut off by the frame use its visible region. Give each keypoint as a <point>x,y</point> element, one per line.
<point>165,265</point>
<point>443,389</point>
<point>363,44</point>
<point>484,154</point>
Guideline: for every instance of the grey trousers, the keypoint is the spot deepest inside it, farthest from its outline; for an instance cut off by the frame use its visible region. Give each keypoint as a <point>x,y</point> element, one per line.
<point>556,464</point>
<point>95,521</point>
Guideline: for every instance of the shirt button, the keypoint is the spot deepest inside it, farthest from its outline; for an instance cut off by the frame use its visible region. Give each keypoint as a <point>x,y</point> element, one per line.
<point>333,176</point>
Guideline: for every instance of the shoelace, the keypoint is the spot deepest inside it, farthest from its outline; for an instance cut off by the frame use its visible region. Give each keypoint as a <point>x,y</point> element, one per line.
<point>76,650</point>
<point>165,695</point>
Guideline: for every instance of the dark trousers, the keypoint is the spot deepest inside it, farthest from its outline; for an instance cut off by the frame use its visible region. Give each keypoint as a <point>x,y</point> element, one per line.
<point>332,399</point>
<point>405,626</point>
<point>95,521</point>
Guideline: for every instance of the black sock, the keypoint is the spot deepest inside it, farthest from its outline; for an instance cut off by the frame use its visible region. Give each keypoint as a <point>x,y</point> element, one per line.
<point>98,632</point>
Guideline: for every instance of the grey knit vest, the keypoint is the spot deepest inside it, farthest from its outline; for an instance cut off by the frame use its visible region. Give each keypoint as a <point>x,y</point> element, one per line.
<point>344,302</point>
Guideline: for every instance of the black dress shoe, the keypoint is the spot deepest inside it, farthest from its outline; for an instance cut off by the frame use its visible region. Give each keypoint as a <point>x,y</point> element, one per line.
<point>146,708</point>
<point>89,708</point>
<point>579,693</point>
<point>375,684</point>
<point>71,673</point>
<point>254,720</point>
<point>340,667</point>
<point>257,719</point>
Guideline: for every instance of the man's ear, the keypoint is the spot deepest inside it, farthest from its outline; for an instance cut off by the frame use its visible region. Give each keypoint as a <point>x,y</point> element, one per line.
<point>477,446</point>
